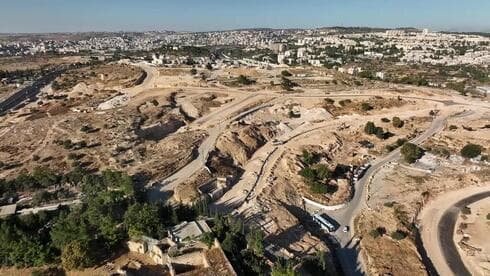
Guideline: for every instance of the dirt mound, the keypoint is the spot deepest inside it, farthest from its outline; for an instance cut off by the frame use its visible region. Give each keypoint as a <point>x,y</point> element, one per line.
<point>240,142</point>
<point>383,254</point>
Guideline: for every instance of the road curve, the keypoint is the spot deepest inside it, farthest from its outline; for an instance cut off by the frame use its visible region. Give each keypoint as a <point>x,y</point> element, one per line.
<point>437,223</point>
<point>445,230</point>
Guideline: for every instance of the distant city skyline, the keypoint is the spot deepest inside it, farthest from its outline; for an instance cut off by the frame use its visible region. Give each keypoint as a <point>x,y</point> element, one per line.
<point>41,16</point>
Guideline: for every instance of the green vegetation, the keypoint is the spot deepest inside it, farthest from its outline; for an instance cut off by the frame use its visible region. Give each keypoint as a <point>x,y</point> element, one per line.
<point>400,142</point>
<point>411,152</point>
<point>244,80</point>
<point>471,150</point>
<point>385,120</point>
<point>286,73</point>
<point>317,264</point>
<point>283,267</point>
<point>440,151</point>
<point>193,71</point>
<point>245,252</point>
<point>84,234</point>
<point>397,122</point>
<point>458,86</point>
<point>329,101</point>
<point>466,210</point>
<point>344,103</point>
<point>366,106</point>
<point>287,84</point>
<point>377,232</point>
<point>398,235</point>
<point>371,129</point>
<point>315,175</point>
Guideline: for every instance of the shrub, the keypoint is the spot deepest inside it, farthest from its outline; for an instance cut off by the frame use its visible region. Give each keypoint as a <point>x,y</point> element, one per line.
<point>286,73</point>
<point>67,144</point>
<point>287,84</point>
<point>389,204</point>
<point>453,127</point>
<point>344,102</point>
<point>466,210</point>
<point>243,80</point>
<point>397,122</point>
<point>471,150</point>
<point>85,128</point>
<point>366,106</point>
<point>370,128</point>
<point>329,101</point>
<point>385,120</point>
<point>488,216</point>
<point>377,232</point>
<point>411,152</point>
<point>398,235</point>
<point>193,71</point>
<point>307,157</point>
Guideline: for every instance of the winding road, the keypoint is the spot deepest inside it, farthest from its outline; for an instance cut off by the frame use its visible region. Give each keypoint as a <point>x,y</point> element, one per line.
<point>441,215</point>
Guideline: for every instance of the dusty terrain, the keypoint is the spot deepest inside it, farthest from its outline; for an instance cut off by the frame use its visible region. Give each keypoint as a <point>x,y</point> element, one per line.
<point>472,237</point>
<point>182,130</point>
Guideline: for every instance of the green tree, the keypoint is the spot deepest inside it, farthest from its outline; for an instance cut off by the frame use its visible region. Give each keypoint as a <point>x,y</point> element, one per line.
<point>366,106</point>
<point>208,239</point>
<point>307,157</point>
<point>471,150</point>
<point>283,267</point>
<point>397,122</point>
<point>255,241</point>
<point>287,84</point>
<point>411,152</point>
<point>142,219</point>
<point>76,255</point>
<point>243,80</point>
<point>370,128</point>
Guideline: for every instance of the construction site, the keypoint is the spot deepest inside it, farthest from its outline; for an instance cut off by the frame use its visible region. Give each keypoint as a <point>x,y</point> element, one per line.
<point>270,156</point>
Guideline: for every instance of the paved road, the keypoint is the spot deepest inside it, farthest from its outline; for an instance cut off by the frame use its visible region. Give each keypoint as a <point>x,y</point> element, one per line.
<point>28,92</point>
<point>349,253</point>
<point>445,230</point>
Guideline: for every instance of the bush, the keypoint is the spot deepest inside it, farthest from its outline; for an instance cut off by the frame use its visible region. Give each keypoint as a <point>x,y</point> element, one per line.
<point>398,235</point>
<point>466,210</point>
<point>243,80</point>
<point>370,128</point>
<point>411,152</point>
<point>397,122</point>
<point>471,150</point>
<point>67,144</point>
<point>345,102</point>
<point>453,127</point>
<point>286,73</point>
<point>85,128</point>
<point>385,120</point>
<point>366,106</point>
<point>378,232</point>
<point>488,216</point>
<point>193,71</point>
<point>287,84</point>
<point>329,101</point>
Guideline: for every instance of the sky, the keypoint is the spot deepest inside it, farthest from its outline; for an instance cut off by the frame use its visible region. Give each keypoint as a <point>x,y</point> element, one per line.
<point>37,16</point>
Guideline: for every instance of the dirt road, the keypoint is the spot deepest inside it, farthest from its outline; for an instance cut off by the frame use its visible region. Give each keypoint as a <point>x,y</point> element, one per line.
<point>437,224</point>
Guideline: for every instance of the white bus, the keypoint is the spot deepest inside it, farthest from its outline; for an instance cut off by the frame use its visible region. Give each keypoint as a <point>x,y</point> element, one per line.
<point>322,220</point>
